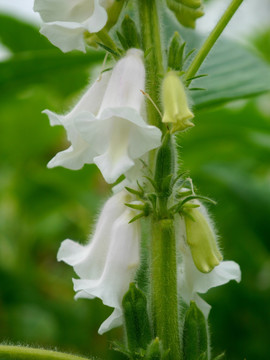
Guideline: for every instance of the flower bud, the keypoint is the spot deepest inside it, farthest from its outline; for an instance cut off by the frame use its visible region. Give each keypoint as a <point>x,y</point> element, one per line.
<point>175,103</point>
<point>202,241</point>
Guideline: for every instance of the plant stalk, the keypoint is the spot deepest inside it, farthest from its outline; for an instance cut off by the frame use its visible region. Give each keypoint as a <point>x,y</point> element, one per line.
<point>27,353</point>
<point>150,32</point>
<point>164,286</point>
<point>210,41</point>
<point>164,302</point>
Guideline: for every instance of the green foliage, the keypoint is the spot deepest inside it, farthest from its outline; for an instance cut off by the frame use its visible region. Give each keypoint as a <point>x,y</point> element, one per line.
<point>227,155</point>
<point>234,72</point>
<point>35,61</point>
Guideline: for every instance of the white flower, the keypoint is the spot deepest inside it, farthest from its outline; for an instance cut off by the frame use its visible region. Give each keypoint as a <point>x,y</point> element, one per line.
<point>107,265</point>
<point>192,282</point>
<point>66,21</point>
<point>106,126</point>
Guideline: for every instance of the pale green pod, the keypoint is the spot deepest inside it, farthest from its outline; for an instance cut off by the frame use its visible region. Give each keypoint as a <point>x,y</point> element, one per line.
<point>176,109</point>
<point>202,241</point>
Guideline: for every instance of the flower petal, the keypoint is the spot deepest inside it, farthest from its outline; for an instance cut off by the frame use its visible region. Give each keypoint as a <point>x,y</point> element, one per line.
<point>89,260</point>
<point>111,166</point>
<point>98,18</point>
<point>221,274</point>
<point>114,320</point>
<point>66,36</point>
<point>64,10</point>
<point>126,82</point>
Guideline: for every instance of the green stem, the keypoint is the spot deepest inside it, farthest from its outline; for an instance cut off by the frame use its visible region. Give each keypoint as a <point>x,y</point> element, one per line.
<point>212,38</point>
<point>26,353</point>
<point>164,286</point>
<point>164,304</point>
<point>150,31</point>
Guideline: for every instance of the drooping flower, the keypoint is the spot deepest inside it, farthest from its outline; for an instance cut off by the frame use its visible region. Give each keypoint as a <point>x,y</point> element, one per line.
<point>106,265</point>
<point>66,21</point>
<point>106,127</point>
<point>192,282</point>
<point>201,238</point>
<point>176,109</point>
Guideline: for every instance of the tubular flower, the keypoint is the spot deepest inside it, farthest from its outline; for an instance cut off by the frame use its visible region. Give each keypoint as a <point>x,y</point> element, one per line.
<point>176,109</point>
<point>191,281</point>
<point>201,238</point>
<point>66,21</point>
<point>106,126</point>
<point>106,265</point>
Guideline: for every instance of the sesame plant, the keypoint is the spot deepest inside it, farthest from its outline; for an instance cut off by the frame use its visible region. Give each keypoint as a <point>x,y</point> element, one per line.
<point>154,248</point>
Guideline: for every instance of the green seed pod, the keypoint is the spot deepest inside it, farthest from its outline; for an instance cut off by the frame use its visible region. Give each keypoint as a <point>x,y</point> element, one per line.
<point>136,319</point>
<point>165,165</point>
<point>186,11</point>
<point>201,240</point>
<point>176,109</point>
<point>195,339</point>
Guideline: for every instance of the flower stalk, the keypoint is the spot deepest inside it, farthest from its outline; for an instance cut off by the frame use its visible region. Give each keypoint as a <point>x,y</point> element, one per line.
<point>212,38</point>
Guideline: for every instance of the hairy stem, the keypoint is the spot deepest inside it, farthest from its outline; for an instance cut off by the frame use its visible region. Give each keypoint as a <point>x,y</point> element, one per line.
<point>164,286</point>
<point>27,353</point>
<point>150,32</point>
<point>164,302</point>
<point>212,38</point>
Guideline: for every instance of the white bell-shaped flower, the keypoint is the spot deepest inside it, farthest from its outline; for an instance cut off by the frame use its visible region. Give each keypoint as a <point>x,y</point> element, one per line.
<point>66,21</point>
<point>107,265</point>
<point>192,282</point>
<point>106,127</point>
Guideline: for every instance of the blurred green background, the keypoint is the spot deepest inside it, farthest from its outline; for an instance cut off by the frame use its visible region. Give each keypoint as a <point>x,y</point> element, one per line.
<point>227,154</point>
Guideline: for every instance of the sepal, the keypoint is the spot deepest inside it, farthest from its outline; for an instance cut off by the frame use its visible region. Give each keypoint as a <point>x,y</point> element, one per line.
<point>195,339</point>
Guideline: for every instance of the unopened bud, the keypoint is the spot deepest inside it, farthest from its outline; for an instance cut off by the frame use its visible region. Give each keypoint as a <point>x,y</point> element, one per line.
<point>176,109</point>
<point>202,241</point>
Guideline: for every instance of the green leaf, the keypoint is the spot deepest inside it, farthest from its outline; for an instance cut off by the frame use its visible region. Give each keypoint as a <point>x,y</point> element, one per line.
<point>8,352</point>
<point>49,67</point>
<point>233,73</point>
<point>19,36</point>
